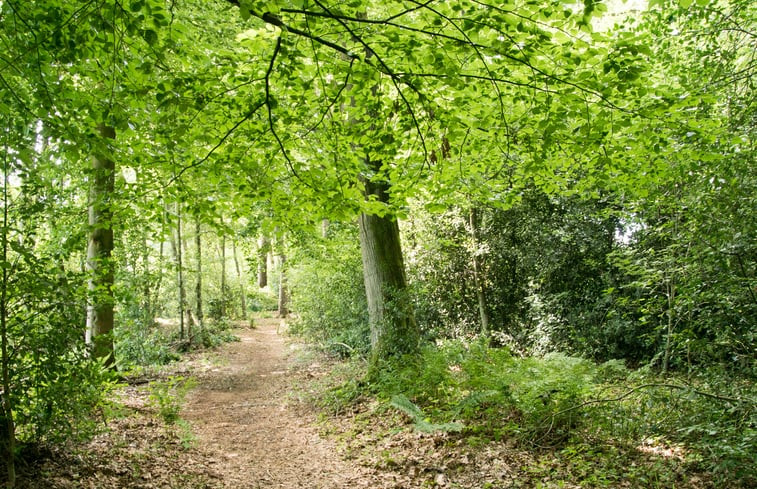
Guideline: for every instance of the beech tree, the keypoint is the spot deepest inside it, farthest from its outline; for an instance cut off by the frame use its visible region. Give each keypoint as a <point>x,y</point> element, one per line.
<point>392,78</point>
<point>99,331</point>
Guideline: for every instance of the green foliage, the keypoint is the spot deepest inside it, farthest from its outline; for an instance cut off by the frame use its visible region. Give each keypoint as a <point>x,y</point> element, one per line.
<point>487,390</point>
<point>167,396</point>
<point>609,423</point>
<point>219,305</point>
<point>139,341</point>
<point>261,300</point>
<point>55,387</point>
<point>327,292</point>
<point>711,414</point>
<point>214,334</point>
<point>420,422</point>
<point>546,266</point>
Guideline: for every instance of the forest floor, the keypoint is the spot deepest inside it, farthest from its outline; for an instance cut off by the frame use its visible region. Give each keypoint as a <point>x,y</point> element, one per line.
<point>246,423</point>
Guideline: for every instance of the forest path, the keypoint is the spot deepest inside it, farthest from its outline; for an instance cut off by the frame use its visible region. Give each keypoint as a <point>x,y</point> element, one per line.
<point>241,413</point>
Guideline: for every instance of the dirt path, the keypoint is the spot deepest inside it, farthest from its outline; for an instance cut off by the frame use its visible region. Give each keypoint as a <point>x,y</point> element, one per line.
<point>240,413</point>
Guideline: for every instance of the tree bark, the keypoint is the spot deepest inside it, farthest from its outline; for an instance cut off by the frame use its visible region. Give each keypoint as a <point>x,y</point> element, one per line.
<point>99,333</point>
<point>161,255</point>
<point>263,246</point>
<point>7,422</point>
<point>198,258</point>
<point>483,309</point>
<point>283,309</point>
<point>223,276</point>
<point>240,277</point>
<point>393,327</point>
<point>176,246</point>
<point>325,225</point>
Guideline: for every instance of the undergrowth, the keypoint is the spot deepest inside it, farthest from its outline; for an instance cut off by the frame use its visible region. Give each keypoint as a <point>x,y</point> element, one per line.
<point>609,423</point>
<point>154,346</point>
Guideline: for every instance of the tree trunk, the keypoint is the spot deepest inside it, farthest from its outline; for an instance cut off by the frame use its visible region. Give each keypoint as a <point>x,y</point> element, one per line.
<point>158,281</point>
<point>223,276</point>
<point>7,423</point>
<point>325,225</point>
<point>198,258</point>
<point>283,309</point>
<point>478,274</point>
<point>99,332</point>
<point>176,246</point>
<point>240,277</point>
<point>263,246</point>
<point>393,327</point>
<point>670,293</point>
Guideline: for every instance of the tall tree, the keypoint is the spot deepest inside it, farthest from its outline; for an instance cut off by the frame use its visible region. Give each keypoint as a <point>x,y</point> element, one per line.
<point>7,421</point>
<point>198,263</point>
<point>224,286</point>
<point>393,327</point>
<point>382,69</point>
<point>479,279</point>
<point>176,245</point>
<point>241,280</point>
<point>99,332</point>
<point>263,249</point>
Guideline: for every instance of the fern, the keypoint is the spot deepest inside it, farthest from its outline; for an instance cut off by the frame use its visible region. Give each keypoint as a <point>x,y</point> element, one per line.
<point>420,422</point>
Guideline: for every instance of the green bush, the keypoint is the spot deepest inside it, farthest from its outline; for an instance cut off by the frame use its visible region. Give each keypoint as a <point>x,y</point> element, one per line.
<point>140,344</point>
<point>213,334</point>
<point>328,295</point>
<point>56,388</point>
<point>487,394</point>
<point>488,390</point>
<point>261,300</point>
<point>167,396</point>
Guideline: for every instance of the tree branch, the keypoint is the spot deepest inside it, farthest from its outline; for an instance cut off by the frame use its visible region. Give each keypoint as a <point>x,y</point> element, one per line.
<point>218,145</point>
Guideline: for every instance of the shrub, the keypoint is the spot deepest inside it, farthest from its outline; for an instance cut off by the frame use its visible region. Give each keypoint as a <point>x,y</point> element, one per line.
<point>328,295</point>
<point>167,396</point>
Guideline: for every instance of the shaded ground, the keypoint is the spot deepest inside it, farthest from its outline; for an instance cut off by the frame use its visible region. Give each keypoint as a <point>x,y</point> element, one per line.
<point>241,413</point>
<point>244,426</point>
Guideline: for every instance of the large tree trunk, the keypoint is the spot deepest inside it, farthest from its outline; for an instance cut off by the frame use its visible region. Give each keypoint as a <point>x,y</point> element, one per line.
<point>393,327</point>
<point>99,250</point>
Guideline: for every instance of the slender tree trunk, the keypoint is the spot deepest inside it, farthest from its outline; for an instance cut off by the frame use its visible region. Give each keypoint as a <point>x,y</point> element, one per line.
<point>478,274</point>
<point>100,309</point>
<point>223,275</point>
<point>325,225</point>
<point>263,246</point>
<point>176,245</point>
<point>393,327</point>
<point>283,308</point>
<point>7,423</point>
<point>159,279</point>
<point>198,284</point>
<point>670,292</point>
<point>148,307</point>
<point>240,278</point>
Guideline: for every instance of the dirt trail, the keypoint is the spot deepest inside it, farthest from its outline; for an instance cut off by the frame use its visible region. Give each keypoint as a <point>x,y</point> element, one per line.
<point>240,413</point>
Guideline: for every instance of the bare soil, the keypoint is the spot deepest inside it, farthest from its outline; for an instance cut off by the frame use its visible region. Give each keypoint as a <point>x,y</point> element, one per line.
<point>242,414</point>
